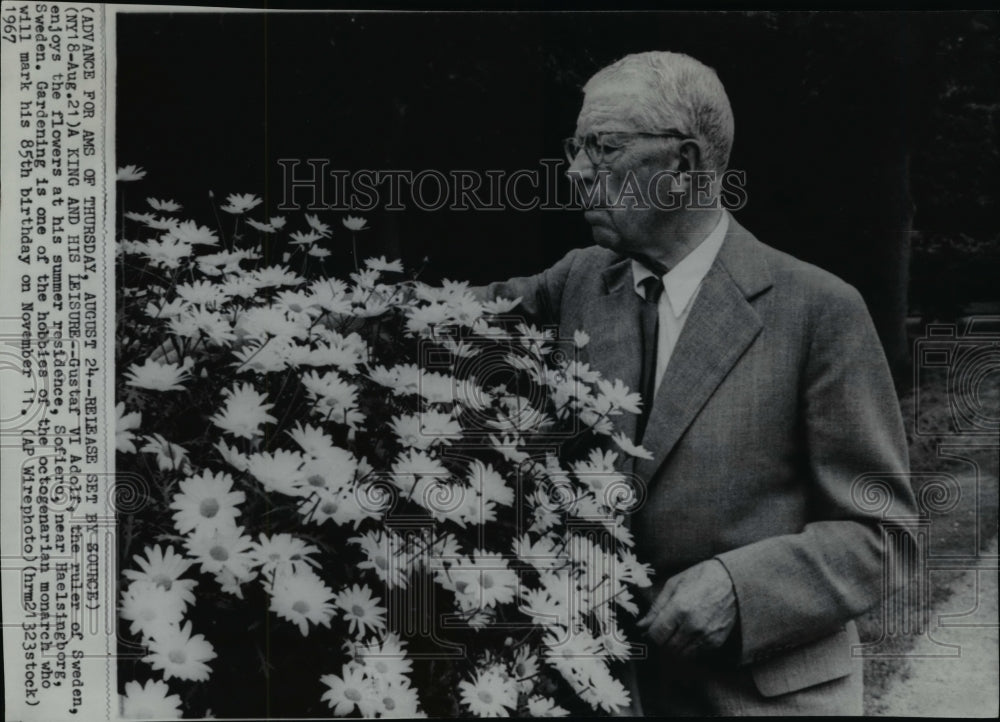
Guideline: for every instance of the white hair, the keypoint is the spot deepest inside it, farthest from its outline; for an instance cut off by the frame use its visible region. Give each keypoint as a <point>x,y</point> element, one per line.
<point>679,93</point>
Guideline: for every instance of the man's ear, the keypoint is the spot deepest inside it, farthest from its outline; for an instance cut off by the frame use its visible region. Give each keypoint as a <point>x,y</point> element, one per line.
<point>689,156</point>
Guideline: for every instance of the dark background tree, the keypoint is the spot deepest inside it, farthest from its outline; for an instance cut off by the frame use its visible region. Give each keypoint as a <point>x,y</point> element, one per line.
<point>861,133</point>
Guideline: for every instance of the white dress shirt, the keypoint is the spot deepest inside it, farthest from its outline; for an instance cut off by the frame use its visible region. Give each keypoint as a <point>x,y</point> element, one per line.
<point>680,287</point>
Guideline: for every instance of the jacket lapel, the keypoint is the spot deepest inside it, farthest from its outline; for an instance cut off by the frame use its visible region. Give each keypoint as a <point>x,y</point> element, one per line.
<point>720,327</point>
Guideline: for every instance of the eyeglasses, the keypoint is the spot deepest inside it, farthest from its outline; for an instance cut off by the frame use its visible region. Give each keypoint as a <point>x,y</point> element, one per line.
<point>599,146</point>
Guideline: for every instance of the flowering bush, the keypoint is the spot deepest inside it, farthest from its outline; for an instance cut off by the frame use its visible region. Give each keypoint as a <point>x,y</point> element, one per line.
<point>358,495</point>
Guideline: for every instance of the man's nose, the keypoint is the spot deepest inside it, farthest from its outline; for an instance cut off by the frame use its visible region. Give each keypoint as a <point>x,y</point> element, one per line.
<point>581,169</point>
<point>581,173</point>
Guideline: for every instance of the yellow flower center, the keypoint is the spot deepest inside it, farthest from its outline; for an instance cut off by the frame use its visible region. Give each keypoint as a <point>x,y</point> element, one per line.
<point>357,610</point>
<point>219,553</point>
<point>177,656</point>
<point>352,694</point>
<point>208,508</point>
<point>485,697</point>
<point>301,607</point>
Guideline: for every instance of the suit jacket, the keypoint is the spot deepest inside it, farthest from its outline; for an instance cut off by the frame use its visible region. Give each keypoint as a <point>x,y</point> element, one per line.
<point>776,400</point>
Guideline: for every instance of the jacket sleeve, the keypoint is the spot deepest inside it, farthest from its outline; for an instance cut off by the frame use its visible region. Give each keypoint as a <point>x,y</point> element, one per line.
<point>795,588</point>
<point>540,294</point>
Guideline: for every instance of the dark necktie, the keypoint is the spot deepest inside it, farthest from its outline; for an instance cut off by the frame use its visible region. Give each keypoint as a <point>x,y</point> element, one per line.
<point>649,326</point>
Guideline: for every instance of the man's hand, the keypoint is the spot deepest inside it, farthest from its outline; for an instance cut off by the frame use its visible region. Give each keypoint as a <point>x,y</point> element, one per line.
<point>694,612</point>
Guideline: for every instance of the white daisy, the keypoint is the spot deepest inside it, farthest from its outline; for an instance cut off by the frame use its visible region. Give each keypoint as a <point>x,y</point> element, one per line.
<point>124,424</point>
<point>544,707</point>
<point>333,469</point>
<point>262,322</point>
<point>156,376</point>
<point>244,412</point>
<point>164,568</point>
<point>165,252</point>
<point>221,549</point>
<point>190,233</point>
<point>620,397</point>
<point>488,694</point>
<point>151,608</point>
<point>626,445</point>
<point>396,700</point>
<point>525,668</point>
<point>385,557</point>
<point>484,580</point>
<point>206,501</point>
<point>361,610</point>
<point>231,455</point>
<point>545,609</point>
<point>302,598</point>
<point>281,554</point>
<point>351,690</point>
<point>509,446</point>
<point>169,456</point>
<point>381,264</point>
<point>150,701</point>
<point>501,305</point>
<point>203,293</point>
<point>413,465</point>
<point>385,660</point>
<point>345,357</point>
<point>353,223</point>
<point>407,429</point>
<point>263,356</point>
<point>604,691</point>
<point>162,223</point>
<point>130,173</point>
<point>215,264</point>
<point>263,227</point>
<point>332,394</point>
<point>542,554</point>
<point>179,654</point>
<point>300,238</point>
<point>278,471</point>
<point>340,507</point>
<point>311,439</point>
<point>630,569</point>
<point>240,203</point>
<point>488,482</point>
<point>232,584</point>
<point>317,225</point>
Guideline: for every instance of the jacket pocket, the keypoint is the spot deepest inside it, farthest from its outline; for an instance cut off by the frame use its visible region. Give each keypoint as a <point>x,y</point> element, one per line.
<point>807,665</point>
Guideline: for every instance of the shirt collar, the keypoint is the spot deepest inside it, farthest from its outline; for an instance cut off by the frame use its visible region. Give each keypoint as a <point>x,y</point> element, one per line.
<point>682,281</point>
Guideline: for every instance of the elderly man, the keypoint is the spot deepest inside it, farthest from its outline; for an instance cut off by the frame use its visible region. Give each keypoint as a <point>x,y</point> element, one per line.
<point>771,399</point>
